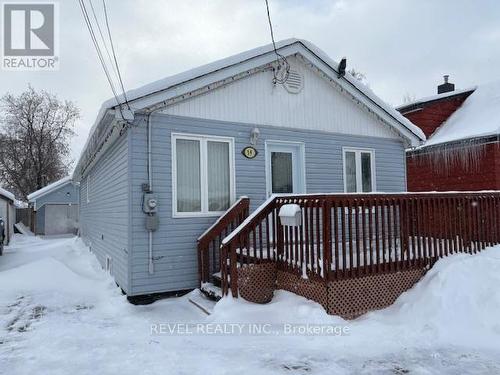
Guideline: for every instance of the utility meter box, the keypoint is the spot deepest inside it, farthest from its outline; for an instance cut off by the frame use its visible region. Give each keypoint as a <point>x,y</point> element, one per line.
<point>152,223</point>
<point>150,203</point>
<point>290,215</point>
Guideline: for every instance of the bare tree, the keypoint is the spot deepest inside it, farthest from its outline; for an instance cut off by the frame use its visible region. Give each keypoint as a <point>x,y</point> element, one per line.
<point>35,130</point>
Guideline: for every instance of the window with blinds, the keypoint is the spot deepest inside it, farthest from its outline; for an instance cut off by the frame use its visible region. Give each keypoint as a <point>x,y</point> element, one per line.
<point>203,174</point>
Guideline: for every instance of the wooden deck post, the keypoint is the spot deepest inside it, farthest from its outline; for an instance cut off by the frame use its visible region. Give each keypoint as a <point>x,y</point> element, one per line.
<point>327,239</point>
<point>233,262</point>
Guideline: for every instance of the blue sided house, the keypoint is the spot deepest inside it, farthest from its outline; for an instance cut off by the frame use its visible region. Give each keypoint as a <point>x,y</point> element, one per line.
<point>158,171</point>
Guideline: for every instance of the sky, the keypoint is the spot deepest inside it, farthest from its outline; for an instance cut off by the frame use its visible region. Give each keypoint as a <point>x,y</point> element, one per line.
<point>404,47</point>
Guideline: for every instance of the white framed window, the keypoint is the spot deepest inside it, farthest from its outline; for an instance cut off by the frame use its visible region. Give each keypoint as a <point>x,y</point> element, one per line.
<point>359,170</point>
<point>202,174</point>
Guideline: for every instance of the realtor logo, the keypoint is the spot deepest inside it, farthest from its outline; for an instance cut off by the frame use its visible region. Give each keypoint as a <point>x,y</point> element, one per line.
<point>30,36</point>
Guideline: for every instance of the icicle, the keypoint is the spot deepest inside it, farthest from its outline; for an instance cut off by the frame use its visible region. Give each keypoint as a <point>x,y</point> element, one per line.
<point>466,154</point>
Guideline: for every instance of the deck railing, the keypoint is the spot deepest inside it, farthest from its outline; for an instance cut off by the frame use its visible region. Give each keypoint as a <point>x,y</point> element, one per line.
<point>210,241</point>
<point>352,235</point>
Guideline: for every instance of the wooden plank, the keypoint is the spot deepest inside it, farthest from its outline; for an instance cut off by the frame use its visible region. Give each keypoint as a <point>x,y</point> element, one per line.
<point>357,238</point>
<point>336,236</point>
<point>344,252</point>
<point>351,245</point>
<point>382,214</point>
<point>327,239</point>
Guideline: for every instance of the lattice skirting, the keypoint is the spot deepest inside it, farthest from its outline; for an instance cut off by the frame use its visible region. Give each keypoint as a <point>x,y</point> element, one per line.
<point>351,298</point>
<point>257,282</point>
<point>314,290</point>
<point>348,298</point>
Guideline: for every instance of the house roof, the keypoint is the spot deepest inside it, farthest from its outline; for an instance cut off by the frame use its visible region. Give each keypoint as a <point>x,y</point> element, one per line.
<point>49,188</point>
<point>150,94</point>
<point>7,194</point>
<point>478,117</point>
<point>433,98</point>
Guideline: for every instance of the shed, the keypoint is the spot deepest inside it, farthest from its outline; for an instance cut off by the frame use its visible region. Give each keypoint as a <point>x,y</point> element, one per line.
<point>56,208</point>
<point>7,213</point>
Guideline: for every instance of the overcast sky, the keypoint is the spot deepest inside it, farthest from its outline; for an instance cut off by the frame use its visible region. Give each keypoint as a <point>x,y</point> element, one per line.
<point>403,47</point>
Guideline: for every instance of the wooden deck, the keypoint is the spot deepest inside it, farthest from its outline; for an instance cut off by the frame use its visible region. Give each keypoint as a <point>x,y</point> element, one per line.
<point>346,236</point>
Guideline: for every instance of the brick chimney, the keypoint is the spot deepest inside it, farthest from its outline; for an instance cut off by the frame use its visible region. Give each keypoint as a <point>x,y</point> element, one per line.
<point>446,86</point>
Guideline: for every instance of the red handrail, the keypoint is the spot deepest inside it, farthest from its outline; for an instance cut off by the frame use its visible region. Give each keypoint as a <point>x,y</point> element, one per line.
<point>209,242</point>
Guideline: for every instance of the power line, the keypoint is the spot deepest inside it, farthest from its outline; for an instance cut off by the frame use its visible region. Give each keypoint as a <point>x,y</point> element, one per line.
<point>102,35</point>
<point>114,54</point>
<point>280,76</point>
<point>98,49</point>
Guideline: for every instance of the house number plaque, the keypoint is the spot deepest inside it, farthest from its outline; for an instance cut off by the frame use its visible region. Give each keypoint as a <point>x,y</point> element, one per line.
<point>249,152</point>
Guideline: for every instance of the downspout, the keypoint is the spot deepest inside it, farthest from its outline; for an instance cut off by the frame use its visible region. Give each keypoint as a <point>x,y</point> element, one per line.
<point>148,210</point>
<point>150,183</point>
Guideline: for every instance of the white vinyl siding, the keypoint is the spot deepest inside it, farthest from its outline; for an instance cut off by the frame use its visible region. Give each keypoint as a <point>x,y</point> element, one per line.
<point>202,174</point>
<point>359,170</point>
<point>319,106</point>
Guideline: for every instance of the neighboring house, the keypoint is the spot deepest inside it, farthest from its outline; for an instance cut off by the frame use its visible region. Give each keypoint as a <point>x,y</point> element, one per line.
<point>56,208</point>
<point>150,187</point>
<point>462,151</point>
<point>7,213</point>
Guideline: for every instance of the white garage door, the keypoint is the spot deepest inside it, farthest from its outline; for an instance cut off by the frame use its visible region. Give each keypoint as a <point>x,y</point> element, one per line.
<point>60,219</point>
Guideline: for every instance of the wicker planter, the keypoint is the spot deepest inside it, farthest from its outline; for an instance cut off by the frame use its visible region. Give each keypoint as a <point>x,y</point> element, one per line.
<point>257,282</point>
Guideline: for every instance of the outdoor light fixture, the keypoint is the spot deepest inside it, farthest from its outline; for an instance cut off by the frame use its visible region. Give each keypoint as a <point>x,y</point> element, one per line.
<point>254,136</point>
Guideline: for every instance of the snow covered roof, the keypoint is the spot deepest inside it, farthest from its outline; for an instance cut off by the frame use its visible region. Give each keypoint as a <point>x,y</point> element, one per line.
<point>479,116</point>
<point>7,194</point>
<point>148,95</point>
<point>434,98</point>
<point>47,189</point>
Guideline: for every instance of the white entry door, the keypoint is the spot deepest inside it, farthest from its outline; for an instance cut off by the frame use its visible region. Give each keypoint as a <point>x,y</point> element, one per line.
<point>285,168</point>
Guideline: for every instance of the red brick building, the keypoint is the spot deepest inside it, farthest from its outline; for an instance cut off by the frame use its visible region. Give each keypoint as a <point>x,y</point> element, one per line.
<point>462,151</point>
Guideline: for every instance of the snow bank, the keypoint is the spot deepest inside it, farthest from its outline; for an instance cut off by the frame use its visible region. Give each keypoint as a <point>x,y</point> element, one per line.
<point>456,303</point>
<point>43,268</point>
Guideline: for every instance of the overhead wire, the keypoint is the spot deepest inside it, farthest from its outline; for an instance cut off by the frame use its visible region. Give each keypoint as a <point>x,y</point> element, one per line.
<point>97,47</point>
<point>102,36</point>
<point>114,53</point>
<point>282,70</point>
<point>88,22</point>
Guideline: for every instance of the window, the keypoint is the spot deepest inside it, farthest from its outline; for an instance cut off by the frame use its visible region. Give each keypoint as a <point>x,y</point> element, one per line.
<point>359,170</point>
<point>203,178</point>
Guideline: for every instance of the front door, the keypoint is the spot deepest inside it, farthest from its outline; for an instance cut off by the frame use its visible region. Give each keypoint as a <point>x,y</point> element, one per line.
<point>285,168</point>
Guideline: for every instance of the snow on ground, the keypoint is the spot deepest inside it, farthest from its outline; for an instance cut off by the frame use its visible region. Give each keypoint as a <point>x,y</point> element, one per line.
<point>61,314</point>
